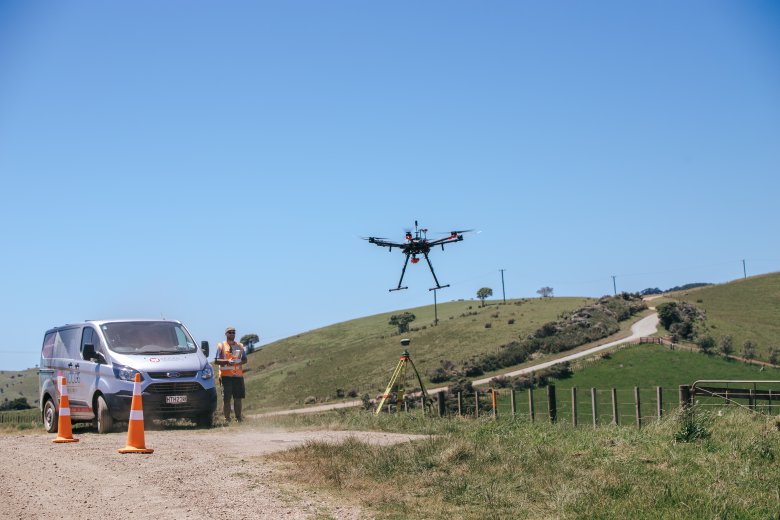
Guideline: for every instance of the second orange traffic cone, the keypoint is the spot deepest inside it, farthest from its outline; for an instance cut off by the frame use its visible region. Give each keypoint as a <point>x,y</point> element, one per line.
<point>64,430</point>
<point>135,426</point>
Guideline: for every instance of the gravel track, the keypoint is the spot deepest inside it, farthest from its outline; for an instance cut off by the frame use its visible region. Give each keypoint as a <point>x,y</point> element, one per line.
<point>192,474</point>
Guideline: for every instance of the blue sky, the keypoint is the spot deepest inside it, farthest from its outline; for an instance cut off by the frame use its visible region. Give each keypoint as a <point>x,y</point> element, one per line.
<point>217,163</point>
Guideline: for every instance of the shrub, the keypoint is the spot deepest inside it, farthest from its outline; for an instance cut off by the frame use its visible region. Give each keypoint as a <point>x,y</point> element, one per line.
<point>511,322</point>
<point>310,400</point>
<point>707,344</point>
<point>500,382</point>
<point>488,325</point>
<point>352,392</point>
<point>726,346</point>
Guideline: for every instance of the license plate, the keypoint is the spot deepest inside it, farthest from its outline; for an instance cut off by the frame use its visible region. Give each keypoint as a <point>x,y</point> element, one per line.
<point>175,399</point>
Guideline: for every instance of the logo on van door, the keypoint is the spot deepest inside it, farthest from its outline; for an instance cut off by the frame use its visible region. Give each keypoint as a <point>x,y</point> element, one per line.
<point>173,374</point>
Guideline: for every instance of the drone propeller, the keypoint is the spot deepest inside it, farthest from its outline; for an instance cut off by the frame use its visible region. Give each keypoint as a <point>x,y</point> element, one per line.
<point>373,238</point>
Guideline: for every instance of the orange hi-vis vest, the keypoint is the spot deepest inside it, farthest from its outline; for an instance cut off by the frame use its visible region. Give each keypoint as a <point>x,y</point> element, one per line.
<point>227,354</point>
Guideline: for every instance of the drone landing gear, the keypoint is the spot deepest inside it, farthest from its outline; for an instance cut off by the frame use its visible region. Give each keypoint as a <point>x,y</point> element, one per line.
<point>406,262</point>
<point>398,379</point>
<point>430,266</point>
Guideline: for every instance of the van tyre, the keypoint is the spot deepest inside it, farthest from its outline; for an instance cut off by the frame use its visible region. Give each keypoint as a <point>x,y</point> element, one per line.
<point>103,416</point>
<point>50,416</point>
<point>205,420</point>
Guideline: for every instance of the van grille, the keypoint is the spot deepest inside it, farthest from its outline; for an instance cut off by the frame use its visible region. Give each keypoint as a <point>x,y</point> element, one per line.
<point>177,388</point>
<point>169,374</point>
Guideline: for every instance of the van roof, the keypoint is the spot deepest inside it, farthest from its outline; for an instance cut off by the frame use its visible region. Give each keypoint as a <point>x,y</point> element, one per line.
<point>98,323</point>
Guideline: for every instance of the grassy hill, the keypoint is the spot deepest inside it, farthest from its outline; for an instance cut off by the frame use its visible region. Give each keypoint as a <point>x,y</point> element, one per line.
<point>746,309</point>
<point>361,354</point>
<point>24,383</point>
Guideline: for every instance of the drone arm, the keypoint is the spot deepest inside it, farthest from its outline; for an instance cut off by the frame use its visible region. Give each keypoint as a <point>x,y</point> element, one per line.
<point>446,240</point>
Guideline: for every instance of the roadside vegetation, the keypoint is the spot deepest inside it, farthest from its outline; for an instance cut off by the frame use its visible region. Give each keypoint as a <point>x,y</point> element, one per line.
<point>707,466</point>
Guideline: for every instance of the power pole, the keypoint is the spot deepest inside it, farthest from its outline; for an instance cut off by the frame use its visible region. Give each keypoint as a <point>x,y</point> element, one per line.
<point>744,270</point>
<point>503,292</point>
<point>614,285</point>
<point>435,310</point>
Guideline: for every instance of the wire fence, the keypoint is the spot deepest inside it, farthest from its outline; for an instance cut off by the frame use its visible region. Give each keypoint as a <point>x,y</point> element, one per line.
<point>594,406</point>
<point>31,416</point>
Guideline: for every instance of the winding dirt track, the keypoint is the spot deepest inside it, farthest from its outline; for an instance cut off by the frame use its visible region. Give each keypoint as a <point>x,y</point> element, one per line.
<point>192,474</point>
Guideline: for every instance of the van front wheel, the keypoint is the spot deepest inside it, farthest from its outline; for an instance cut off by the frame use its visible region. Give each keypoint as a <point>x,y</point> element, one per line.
<point>103,417</point>
<point>50,416</point>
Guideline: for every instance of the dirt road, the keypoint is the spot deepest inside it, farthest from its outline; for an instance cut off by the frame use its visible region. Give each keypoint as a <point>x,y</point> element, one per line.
<point>192,474</point>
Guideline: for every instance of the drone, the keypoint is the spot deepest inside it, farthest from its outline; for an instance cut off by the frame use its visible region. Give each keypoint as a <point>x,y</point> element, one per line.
<point>416,244</point>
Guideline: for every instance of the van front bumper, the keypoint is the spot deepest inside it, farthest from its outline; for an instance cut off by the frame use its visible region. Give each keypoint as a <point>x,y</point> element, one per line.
<point>170,400</point>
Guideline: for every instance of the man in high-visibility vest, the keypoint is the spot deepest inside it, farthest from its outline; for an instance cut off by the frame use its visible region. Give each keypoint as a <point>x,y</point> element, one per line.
<point>231,358</point>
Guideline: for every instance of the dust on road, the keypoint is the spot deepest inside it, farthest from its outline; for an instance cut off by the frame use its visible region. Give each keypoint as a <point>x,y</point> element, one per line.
<point>192,474</point>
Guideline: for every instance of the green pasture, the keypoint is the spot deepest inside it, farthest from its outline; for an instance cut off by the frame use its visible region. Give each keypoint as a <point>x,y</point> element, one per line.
<point>747,309</point>
<point>642,366</point>
<point>360,355</point>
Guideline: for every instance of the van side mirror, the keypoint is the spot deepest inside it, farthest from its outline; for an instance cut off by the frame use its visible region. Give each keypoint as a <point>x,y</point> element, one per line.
<point>204,346</point>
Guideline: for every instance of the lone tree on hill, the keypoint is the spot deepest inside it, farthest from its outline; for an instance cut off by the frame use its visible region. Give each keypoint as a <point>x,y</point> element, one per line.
<point>402,321</point>
<point>485,292</point>
<point>545,292</point>
<point>249,341</point>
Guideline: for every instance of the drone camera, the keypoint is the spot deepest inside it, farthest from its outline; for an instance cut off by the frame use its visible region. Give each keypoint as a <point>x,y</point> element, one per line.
<point>405,342</point>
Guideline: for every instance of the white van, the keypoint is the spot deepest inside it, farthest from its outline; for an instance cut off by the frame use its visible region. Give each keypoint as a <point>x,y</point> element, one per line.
<point>99,359</point>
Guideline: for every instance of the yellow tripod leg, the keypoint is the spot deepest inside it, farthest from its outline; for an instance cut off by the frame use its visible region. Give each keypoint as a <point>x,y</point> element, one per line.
<point>393,379</point>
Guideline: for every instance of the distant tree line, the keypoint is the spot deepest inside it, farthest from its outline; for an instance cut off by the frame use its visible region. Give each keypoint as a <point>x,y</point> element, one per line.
<point>655,290</point>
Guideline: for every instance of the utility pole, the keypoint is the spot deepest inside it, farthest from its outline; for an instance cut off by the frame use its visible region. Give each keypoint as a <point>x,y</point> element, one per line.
<point>503,292</point>
<point>614,285</point>
<point>435,310</point>
<point>744,270</point>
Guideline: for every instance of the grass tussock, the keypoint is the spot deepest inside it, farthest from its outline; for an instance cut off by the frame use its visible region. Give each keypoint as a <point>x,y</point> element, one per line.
<point>508,469</point>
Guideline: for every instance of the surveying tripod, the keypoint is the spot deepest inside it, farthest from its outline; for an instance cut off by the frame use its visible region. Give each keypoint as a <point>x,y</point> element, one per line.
<point>399,376</point>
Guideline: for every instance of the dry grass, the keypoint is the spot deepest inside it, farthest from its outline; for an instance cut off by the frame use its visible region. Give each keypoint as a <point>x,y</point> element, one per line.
<point>513,469</point>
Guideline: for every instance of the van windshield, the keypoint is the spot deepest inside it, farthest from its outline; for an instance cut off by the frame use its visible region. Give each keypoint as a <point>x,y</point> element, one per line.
<point>147,337</point>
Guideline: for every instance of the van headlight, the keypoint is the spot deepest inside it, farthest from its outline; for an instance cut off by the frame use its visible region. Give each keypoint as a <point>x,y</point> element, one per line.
<point>207,372</point>
<point>125,373</point>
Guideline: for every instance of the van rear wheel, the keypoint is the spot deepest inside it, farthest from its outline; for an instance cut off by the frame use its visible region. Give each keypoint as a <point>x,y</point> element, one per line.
<point>103,416</point>
<point>50,416</point>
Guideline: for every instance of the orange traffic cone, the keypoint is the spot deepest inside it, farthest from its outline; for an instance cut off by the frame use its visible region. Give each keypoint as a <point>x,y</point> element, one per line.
<point>135,427</point>
<point>64,431</point>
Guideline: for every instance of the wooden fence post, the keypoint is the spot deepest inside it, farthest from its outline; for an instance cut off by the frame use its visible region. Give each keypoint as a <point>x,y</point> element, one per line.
<point>659,401</point>
<point>512,403</point>
<point>574,406</point>
<point>531,413</point>
<point>460,404</point>
<point>685,397</point>
<point>552,408</point>
<point>476,404</point>
<point>494,403</point>
<point>422,402</point>
<point>615,413</point>
<point>593,408</point>
<point>442,404</point>
<point>638,408</point>
<point>752,399</point>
